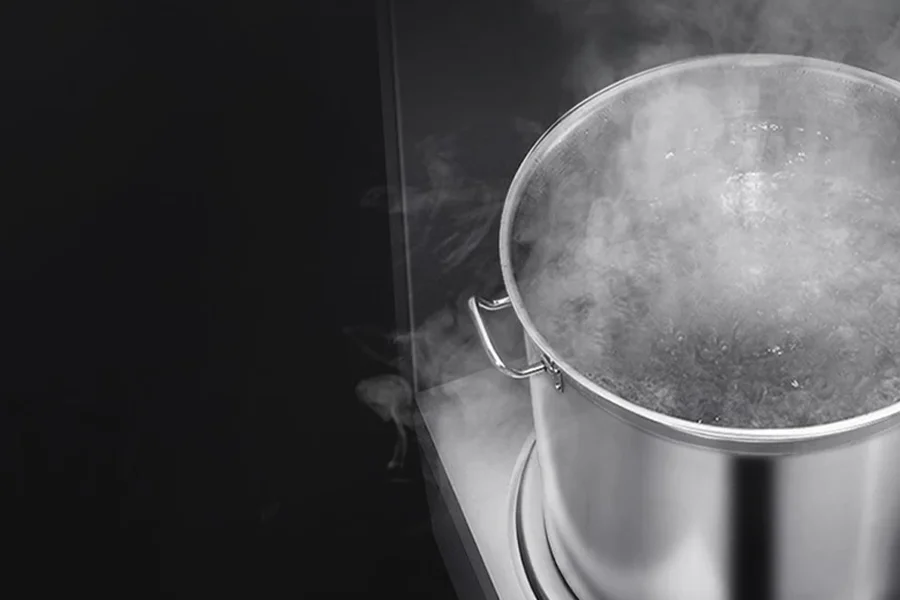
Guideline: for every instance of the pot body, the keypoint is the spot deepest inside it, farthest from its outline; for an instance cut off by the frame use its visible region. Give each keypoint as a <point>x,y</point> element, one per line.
<point>643,506</point>
<point>631,515</point>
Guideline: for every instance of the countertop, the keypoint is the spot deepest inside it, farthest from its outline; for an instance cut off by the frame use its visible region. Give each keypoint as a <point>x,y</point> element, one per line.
<point>472,431</point>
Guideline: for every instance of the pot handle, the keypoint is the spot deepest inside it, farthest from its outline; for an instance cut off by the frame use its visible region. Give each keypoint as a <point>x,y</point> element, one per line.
<point>476,305</point>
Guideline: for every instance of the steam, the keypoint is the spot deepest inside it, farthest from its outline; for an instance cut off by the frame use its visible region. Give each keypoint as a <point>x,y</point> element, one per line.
<point>453,214</point>
<point>450,220</point>
<point>390,396</point>
<point>862,33</point>
<point>726,229</point>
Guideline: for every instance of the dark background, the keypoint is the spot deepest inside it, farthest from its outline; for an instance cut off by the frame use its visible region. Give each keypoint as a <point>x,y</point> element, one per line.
<point>183,245</point>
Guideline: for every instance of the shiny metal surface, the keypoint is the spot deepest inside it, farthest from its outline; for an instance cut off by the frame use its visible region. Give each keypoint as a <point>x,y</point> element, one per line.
<point>640,506</point>
<point>537,571</point>
<point>634,515</point>
<point>832,86</point>
<point>476,305</point>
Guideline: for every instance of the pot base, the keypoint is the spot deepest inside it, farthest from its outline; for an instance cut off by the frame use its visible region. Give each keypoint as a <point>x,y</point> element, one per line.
<point>535,567</point>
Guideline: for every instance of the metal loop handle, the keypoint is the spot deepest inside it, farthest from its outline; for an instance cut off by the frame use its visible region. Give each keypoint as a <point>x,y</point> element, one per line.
<point>476,305</point>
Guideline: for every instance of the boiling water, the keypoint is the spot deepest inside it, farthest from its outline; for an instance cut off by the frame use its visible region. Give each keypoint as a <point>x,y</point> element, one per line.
<point>766,300</point>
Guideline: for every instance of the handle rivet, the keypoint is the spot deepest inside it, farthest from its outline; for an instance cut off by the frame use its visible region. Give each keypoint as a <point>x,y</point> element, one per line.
<point>554,371</point>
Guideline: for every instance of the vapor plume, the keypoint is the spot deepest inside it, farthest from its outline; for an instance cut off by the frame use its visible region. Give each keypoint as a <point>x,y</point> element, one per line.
<point>741,232</point>
<point>451,220</point>
<point>862,33</point>
<point>452,214</point>
<point>390,396</point>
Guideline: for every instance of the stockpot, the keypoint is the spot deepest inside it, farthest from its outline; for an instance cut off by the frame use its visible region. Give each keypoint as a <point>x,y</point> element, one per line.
<point>644,506</point>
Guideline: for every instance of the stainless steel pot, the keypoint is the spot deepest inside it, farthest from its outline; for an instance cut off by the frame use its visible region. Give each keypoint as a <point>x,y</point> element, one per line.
<point>640,505</point>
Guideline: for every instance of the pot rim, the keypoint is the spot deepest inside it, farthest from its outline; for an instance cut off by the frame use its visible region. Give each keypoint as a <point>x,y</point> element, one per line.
<point>753,441</point>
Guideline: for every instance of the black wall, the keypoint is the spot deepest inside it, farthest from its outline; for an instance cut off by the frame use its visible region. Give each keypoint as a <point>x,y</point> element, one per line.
<point>184,244</point>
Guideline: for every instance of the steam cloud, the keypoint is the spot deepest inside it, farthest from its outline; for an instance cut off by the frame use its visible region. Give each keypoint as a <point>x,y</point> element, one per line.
<point>714,226</point>
<point>451,219</point>
<point>864,33</point>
